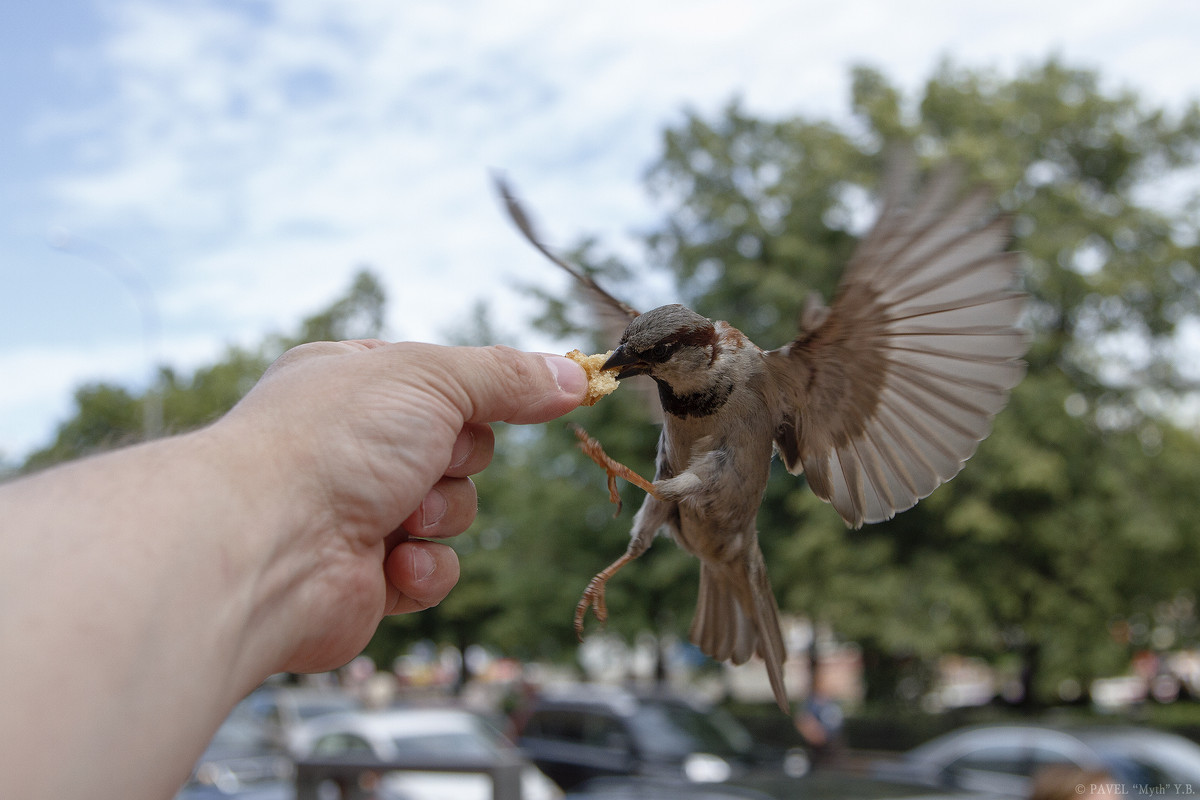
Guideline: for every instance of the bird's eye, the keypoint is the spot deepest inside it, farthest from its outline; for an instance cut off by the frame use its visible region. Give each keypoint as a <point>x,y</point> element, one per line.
<point>662,351</point>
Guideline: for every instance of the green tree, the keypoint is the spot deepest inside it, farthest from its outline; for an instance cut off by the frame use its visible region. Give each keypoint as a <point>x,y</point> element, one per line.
<point>1069,518</point>
<point>105,416</point>
<point>1067,537</point>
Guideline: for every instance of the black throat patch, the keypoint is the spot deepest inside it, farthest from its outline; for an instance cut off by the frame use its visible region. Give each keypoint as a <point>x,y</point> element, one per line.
<point>697,404</point>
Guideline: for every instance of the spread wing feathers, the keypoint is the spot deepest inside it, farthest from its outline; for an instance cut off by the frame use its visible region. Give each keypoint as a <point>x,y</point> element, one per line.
<point>896,386</point>
<point>611,312</point>
<point>736,617</point>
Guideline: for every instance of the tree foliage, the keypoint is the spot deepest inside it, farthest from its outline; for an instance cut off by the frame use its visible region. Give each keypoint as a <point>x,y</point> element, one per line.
<point>1070,519</point>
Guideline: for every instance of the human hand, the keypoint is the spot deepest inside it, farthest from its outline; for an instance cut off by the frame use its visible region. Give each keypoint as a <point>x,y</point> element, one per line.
<point>367,444</point>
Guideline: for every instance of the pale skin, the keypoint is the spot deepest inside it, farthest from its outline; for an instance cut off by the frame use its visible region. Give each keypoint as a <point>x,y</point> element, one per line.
<point>145,591</point>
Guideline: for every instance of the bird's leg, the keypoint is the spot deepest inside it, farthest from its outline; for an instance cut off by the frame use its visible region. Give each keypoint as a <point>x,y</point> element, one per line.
<point>593,595</point>
<point>645,524</point>
<point>614,469</point>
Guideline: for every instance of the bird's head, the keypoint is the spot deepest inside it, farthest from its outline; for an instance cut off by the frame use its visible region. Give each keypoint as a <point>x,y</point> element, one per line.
<point>672,344</point>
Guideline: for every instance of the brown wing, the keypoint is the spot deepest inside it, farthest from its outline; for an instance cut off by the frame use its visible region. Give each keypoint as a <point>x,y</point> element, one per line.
<point>613,314</point>
<point>888,393</point>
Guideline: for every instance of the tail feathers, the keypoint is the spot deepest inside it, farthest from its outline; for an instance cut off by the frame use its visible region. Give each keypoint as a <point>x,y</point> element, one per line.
<point>736,617</point>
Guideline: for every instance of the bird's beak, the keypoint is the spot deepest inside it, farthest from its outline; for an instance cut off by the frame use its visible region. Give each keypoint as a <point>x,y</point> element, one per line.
<point>627,362</point>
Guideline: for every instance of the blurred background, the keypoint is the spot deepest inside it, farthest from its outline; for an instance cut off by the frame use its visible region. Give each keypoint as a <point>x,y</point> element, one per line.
<point>189,188</point>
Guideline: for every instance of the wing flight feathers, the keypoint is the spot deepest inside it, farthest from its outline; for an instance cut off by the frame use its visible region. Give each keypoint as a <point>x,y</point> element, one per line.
<point>521,219</point>
<point>894,390</point>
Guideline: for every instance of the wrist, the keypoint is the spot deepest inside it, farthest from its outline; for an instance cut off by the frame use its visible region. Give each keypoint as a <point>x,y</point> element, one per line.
<point>311,578</point>
<point>265,517</point>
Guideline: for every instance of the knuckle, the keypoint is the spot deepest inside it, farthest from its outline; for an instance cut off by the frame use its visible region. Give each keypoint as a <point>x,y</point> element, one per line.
<point>518,366</point>
<point>518,373</point>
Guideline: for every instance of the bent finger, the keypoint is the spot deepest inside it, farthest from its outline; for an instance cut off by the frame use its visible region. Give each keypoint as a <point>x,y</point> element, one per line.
<point>419,575</point>
<point>472,450</point>
<point>447,509</point>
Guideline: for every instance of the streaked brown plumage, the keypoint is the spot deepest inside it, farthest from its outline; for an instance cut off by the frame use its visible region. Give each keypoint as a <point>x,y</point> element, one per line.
<point>880,399</point>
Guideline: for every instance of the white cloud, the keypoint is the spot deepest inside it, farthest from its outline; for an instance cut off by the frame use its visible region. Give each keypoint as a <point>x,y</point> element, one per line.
<point>259,153</point>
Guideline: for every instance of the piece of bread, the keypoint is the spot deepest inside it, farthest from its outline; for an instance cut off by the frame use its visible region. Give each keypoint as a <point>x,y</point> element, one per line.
<point>600,381</point>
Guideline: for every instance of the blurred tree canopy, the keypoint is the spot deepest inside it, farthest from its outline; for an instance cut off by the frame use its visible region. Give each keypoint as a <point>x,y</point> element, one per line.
<point>1073,519</point>
<point>1066,543</point>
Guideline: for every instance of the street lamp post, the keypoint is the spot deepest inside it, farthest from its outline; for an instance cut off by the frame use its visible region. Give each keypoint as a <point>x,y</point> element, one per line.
<point>134,282</point>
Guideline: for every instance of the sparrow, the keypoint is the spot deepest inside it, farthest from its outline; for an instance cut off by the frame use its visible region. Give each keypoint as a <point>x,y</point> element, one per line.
<point>882,396</point>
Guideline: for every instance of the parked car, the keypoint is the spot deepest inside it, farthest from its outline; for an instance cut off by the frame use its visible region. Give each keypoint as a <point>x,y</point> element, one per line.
<point>636,788</point>
<point>816,785</point>
<point>441,734</point>
<point>241,761</point>
<point>1003,759</point>
<point>283,710</point>
<point>579,733</point>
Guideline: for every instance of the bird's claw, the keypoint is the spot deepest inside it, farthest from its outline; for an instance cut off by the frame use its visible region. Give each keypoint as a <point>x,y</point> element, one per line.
<point>593,597</point>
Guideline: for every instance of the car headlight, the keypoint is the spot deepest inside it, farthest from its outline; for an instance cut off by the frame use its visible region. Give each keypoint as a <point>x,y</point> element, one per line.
<point>217,776</point>
<point>796,763</point>
<point>706,768</point>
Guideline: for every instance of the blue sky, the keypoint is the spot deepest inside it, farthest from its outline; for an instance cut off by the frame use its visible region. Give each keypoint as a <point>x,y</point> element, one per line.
<point>227,166</point>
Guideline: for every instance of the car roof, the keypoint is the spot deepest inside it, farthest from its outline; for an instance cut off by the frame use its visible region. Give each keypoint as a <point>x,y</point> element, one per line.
<point>1120,733</point>
<point>303,691</point>
<point>950,745</point>
<point>1082,737</point>
<point>394,721</point>
<point>297,698</point>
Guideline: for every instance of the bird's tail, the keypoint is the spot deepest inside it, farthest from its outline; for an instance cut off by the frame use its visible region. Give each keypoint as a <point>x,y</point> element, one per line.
<point>736,617</point>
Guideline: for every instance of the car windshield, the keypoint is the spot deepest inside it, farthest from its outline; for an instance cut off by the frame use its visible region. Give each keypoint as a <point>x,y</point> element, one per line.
<point>235,733</point>
<point>311,707</point>
<point>479,743</point>
<point>675,729</point>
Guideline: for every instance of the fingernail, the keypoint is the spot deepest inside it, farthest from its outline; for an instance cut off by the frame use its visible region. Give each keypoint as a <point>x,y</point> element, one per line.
<point>462,450</point>
<point>433,508</point>
<point>569,376</point>
<point>423,564</point>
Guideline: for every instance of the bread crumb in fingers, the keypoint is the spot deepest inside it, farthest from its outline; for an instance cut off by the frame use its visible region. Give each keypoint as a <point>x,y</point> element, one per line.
<point>601,381</point>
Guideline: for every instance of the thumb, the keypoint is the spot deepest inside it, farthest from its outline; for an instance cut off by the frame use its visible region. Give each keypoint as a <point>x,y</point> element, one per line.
<point>500,384</point>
